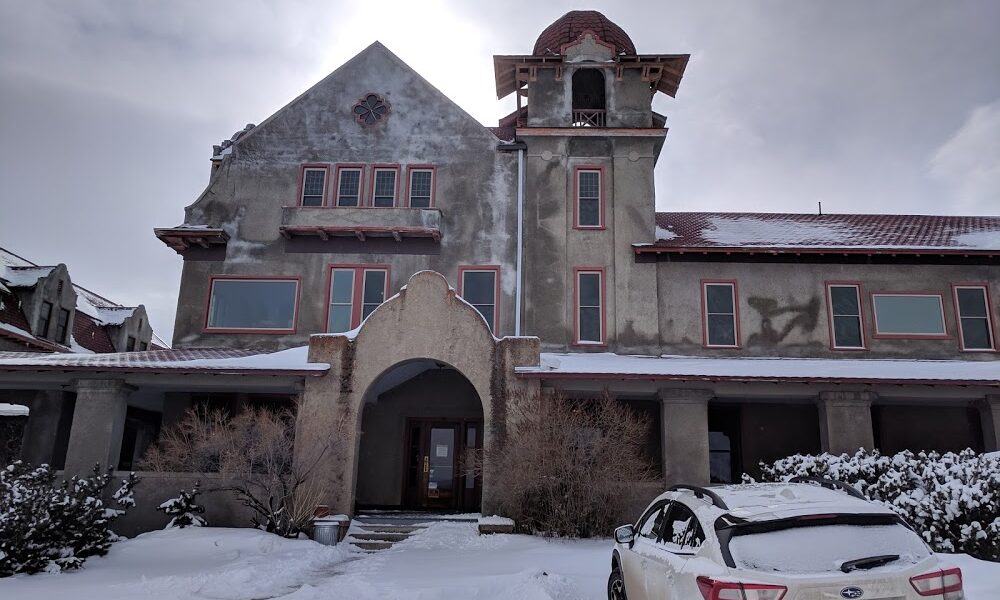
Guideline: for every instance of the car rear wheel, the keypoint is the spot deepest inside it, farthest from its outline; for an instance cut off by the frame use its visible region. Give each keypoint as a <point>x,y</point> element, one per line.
<point>616,586</point>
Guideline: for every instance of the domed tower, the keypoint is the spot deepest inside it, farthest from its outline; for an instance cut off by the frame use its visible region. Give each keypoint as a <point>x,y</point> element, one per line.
<point>590,139</point>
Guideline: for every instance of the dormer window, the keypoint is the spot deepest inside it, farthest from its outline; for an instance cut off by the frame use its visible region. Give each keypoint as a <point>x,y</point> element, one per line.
<point>62,326</point>
<point>44,319</point>
<point>348,186</point>
<point>589,99</point>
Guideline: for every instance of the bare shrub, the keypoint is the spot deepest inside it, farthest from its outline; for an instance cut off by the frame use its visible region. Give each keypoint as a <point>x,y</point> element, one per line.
<point>566,465</point>
<point>254,451</point>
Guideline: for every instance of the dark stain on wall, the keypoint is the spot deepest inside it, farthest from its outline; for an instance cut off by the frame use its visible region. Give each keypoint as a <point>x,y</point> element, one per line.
<point>804,316</point>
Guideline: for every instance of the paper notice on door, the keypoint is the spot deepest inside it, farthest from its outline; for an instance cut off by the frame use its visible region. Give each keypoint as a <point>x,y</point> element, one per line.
<point>441,451</point>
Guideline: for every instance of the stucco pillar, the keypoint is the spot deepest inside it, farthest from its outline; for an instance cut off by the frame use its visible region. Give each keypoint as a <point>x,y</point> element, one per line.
<point>42,429</point>
<point>989,416</point>
<point>684,423</point>
<point>845,421</point>
<point>98,425</point>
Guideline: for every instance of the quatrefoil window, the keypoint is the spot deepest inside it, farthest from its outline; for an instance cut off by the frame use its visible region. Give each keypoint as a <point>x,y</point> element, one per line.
<point>371,109</point>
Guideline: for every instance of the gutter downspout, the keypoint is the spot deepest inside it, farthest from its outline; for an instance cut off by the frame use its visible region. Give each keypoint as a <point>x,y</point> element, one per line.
<point>520,147</point>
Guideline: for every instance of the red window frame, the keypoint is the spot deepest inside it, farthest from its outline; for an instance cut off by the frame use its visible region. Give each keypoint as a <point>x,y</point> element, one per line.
<point>990,323</point>
<point>357,297</point>
<point>495,269</point>
<point>295,309</point>
<point>335,196</point>
<point>577,170</point>
<point>302,182</point>
<point>736,312</point>
<point>861,315</point>
<point>876,334</point>
<point>600,271</point>
<point>433,170</point>
<point>371,184</point>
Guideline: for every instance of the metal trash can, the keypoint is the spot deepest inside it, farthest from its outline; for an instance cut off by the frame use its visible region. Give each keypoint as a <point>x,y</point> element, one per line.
<point>330,530</point>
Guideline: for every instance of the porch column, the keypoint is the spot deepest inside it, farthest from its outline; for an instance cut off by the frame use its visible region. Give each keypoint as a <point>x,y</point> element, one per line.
<point>42,430</point>
<point>845,421</point>
<point>989,416</point>
<point>98,425</point>
<point>327,442</point>
<point>684,422</point>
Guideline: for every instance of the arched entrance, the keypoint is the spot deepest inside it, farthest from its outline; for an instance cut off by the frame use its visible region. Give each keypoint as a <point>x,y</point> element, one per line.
<point>421,426</point>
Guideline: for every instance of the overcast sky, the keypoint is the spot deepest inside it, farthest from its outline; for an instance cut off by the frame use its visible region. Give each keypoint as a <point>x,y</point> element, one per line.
<point>109,109</point>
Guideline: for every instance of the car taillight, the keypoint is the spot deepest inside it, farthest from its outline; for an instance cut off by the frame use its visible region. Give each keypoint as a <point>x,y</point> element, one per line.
<point>736,590</point>
<point>947,583</point>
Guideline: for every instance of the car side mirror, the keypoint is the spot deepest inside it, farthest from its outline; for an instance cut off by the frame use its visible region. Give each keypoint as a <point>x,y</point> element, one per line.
<point>625,534</point>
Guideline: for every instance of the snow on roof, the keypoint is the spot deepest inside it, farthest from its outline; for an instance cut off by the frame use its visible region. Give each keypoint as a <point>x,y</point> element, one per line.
<point>13,410</point>
<point>196,359</point>
<point>839,232</point>
<point>607,365</point>
<point>24,276</point>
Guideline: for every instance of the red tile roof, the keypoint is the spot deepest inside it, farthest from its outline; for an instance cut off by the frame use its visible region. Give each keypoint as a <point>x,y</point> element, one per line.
<point>755,232</point>
<point>90,334</point>
<point>567,28</point>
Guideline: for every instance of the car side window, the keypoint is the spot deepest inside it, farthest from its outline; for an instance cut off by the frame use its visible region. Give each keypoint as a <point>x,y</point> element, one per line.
<point>649,526</point>
<point>681,530</point>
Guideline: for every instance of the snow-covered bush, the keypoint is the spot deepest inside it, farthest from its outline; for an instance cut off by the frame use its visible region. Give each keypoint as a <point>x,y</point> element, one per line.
<point>565,465</point>
<point>50,526</point>
<point>952,500</point>
<point>184,510</point>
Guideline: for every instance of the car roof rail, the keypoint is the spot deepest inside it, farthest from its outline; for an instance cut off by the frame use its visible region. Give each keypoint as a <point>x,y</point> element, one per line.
<point>831,484</point>
<point>700,492</point>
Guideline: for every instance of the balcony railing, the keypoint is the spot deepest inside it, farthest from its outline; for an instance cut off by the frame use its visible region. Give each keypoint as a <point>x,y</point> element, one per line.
<point>590,118</point>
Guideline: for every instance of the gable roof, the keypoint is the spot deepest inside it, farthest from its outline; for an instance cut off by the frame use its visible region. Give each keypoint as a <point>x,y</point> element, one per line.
<point>680,232</point>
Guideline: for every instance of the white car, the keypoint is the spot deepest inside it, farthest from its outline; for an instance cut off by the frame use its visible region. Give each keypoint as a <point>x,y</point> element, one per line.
<point>820,540</point>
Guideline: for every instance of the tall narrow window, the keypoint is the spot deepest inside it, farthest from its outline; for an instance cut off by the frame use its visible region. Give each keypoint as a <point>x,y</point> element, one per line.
<point>355,291</point>
<point>480,286</point>
<point>844,302</point>
<point>719,303</point>
<point>313,186</point>
<point>974,319</point>
<point>259,305</point>
<point>589,307</point>
<point>917,316</point>
<point>348,186</point>
<point>384,188</point>
<point>44,319</point>
<point>130,344</point>
<point>62,326</point>
<point>589,212</point>
<point>421,188</point>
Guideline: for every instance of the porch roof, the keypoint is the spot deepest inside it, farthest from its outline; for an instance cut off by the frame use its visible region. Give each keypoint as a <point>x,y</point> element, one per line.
<point>293,361</point>
<point>609,366</point>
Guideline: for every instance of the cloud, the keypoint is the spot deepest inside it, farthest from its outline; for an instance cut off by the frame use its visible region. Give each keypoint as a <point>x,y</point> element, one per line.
<point>968,163</point>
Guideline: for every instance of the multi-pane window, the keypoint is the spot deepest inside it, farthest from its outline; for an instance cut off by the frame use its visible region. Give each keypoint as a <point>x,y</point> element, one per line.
<point>479,287</point>
<point>354,293</point>
<point>845,316</point>
<point>44,319</point>
<point>143,346</point>
<point>348,186</point>
<point>266,305</point>
<point>421,188</point>
<point>588,198</point>
<point>313,186</point>
<point>974,319</point>
<point>384,188</point>
<point>719,302</point>
<point>62,326</point>
<point>130,344</point>
<point>909,315</point>
<point>589,307</point>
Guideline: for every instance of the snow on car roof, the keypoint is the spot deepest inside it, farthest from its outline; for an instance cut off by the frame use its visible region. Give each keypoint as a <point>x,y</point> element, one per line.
<point>768,501</point>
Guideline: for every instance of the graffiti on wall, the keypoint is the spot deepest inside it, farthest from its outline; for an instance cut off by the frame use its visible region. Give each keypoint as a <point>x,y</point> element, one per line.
<point>790,317</point>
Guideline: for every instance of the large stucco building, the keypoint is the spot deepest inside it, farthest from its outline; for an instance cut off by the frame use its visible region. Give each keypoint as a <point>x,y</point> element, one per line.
<point>405,273</point>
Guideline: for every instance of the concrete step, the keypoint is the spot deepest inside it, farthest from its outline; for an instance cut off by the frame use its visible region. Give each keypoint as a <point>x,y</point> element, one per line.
<point>370,546</point>
<point>379,536</point>
<point>386,528</point>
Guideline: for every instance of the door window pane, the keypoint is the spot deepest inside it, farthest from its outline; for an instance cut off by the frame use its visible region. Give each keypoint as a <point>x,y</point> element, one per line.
<point>908,315</point>
<point>720,309</point>
<point>589,199</point>
<point>349,188</point>
<point>374,292</point>
<point>440,477</point>
<point>974,318</point>
<point>845,307</point>
<point>385,188</point>
<point>313,184</point>
<point>341,301</point>
<point>479,290</point>
<point>252,304</point>
<point>589,307</point>
<point>420,188</point>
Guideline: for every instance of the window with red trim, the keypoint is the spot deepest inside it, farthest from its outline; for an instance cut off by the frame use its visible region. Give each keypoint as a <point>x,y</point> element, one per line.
<point>313,186</point>
<point>844,301</point>
<point>974,319</point>
<point>589,307</point>
<point>420,191</point>
<point>719,303</point>
<point>252,304</point>
<point>909,315</point>
<point>589,212</point>
<point>480,287</point>
<point>349,186</point>
<point>355,291</point>
<point>384,186</point>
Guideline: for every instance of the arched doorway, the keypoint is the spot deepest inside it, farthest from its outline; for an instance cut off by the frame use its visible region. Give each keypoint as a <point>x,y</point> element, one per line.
<point>421,426</point>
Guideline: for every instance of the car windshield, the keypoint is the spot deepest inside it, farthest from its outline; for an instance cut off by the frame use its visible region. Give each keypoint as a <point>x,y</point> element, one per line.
<point>824,545</point>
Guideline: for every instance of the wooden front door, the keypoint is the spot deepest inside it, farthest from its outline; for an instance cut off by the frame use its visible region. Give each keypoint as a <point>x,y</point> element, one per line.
<point>437,476</point>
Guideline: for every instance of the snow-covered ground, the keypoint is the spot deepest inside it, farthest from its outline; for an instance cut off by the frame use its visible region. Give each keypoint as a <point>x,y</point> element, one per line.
<point>448,560</point>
